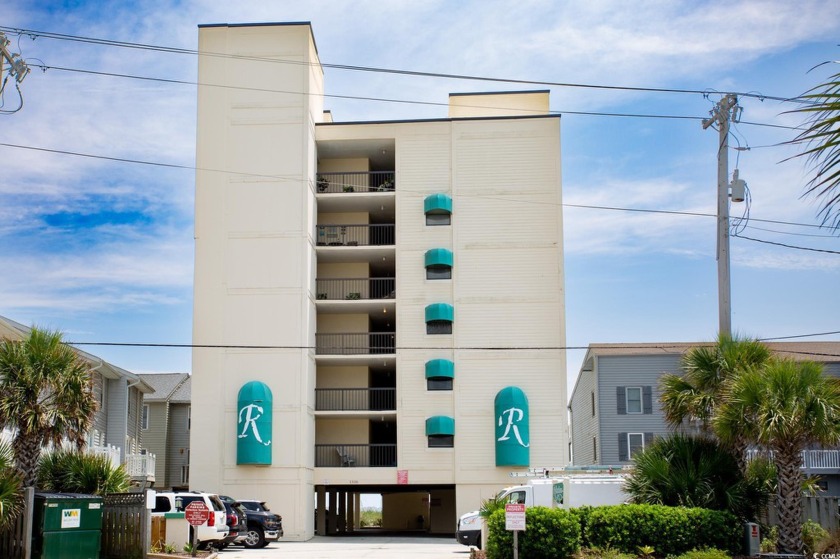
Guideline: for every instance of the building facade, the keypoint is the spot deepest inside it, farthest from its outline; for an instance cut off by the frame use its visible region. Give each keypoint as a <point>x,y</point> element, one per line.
<point>166,428</point>
<point>379,306</point>
<point>614,409</point>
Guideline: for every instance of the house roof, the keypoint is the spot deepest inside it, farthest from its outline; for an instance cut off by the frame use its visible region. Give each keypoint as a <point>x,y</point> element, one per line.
<point>164,385</point>
<point>183,394</point>
<point>16,331</point>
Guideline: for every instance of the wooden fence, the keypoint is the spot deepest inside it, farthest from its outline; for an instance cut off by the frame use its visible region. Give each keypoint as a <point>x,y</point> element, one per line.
<point>822,510</point>
<point>16,542</point>
<point>126,526</point>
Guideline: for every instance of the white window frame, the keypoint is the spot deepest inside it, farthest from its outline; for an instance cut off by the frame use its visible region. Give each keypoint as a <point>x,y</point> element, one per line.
<point>144,418</point>
<point>627,400</point>
<point>630,448</point>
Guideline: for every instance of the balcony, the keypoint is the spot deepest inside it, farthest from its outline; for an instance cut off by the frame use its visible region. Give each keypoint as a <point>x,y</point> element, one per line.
<point>355,455</point>
<point>811,459</point>
<point>352,289</point>
<point>355,235</point>
<point>355,182</point>
<point>365,343</point>
<point>110,452</point>
<point>355,399</point>
<point>140,466</point>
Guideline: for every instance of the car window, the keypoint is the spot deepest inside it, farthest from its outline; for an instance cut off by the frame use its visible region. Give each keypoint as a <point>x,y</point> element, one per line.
<point>251,506</point>
<point>217,504</point>
<point>162,504</point>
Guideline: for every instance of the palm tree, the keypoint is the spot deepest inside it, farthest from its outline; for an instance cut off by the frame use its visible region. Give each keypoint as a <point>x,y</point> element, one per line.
<point>822,146</point>
<point>697,393</point>
<point>682,470</point>
<point>783,407</point>
<point>11,490</point>
<point>46,395</point>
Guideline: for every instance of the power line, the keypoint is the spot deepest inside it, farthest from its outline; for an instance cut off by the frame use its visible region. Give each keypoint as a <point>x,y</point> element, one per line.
<point>785,245</point>
<point>414,73</point>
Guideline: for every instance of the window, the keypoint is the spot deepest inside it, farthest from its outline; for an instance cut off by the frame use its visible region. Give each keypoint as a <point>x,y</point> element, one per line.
<point>189,418</point>
<point>144,422</point>
<point>595,449</point>
<point>438,327</point>
<point>516,498</point>
<point>593,403</point>
<point>440,383</point>
<point>634,399</point>
<point>438,219</point>
<point>635,442</point>
<point>438,272</point>
<point>441,441</point>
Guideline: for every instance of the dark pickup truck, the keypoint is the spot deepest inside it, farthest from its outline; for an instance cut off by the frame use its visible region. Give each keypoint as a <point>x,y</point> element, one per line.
<point>263,525</point>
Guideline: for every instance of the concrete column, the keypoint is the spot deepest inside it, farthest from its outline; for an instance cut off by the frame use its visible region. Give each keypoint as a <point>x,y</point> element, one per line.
<point>342,511</point>
<point>351,512</point>
<point>321,528</point>
<point>331,517</point>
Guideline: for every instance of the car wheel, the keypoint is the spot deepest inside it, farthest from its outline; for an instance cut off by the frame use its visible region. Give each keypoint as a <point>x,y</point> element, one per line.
<point>255,538</point>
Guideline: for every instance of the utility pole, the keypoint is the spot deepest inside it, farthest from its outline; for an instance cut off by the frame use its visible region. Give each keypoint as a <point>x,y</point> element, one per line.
<point>724,112</point>
<point>17,67</point>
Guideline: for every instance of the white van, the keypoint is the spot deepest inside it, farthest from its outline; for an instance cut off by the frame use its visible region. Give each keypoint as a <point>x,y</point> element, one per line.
<point>212,532</point>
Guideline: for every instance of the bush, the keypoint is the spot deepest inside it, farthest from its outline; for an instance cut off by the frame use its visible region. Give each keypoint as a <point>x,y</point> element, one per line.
<point>708,553</point>
<point>75,472</point>
<point>608,553</point>
<point>583,514</point>
<point>551,534</point>
<point>669,530</point>
<point>812,536</point>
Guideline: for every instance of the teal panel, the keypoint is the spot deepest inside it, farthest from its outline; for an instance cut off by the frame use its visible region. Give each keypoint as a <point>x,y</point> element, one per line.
<point>253,432</point>
<point>437,203</point>
<point>438,257</point>
<point>440,311</point>
<point>440,425</point>
<point>440,368</point>
<point>513,436</point>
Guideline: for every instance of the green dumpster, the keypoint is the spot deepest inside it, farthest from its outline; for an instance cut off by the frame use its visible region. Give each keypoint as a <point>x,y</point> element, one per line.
<point>66,526</point>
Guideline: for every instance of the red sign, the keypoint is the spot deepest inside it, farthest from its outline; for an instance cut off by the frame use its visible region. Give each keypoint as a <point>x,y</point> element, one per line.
<point>197,513</point>
<point>402,477</point>
<point>514,517</point>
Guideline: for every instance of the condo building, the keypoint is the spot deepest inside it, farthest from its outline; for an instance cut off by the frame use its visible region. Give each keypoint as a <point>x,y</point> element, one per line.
<point>378,306</point>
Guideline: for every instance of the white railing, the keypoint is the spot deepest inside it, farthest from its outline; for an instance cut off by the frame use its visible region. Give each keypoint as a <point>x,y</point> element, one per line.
<point>811,459</point>
<point>140,465</point>
<point>111,452</point>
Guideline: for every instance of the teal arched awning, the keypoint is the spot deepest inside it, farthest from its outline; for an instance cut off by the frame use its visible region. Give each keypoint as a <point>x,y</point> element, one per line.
<point>440,425</point>
<point>440,311</point>
<point>440,368</point>
<point>437,204</point>
<point>439,257</point>
<point>513,434</point>
<point>254,407</point>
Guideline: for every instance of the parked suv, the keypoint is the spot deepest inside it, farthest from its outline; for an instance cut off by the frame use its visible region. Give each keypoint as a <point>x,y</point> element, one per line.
<point>237,523</point>
<point>210,534</point>
<point>263,525</point>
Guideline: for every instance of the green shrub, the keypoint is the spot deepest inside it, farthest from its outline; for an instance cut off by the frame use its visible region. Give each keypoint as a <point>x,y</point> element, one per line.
<point>669,530</point>
<point>812,536</point>
<point>76,472</point>
<point>706,553</point>
<point>551,534</point>
<point>608,553</point>
<point>582,514</point>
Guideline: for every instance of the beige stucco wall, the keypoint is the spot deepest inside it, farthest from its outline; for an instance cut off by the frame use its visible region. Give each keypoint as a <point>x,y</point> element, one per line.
<point>498,104</point>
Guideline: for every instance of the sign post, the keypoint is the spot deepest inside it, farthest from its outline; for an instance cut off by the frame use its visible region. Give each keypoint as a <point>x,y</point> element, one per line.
<point>196,514</point>
<point>515,520</point>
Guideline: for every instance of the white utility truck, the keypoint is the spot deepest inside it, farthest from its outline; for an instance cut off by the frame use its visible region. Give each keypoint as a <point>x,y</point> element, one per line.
<point>573,488</point>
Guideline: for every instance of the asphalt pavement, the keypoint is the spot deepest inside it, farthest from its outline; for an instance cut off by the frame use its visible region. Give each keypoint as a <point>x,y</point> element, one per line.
<point>357,547</point>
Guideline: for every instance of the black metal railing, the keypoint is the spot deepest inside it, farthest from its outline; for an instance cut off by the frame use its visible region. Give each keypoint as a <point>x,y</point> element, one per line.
<point>355,235</point>
<point>361,181</point>
<point>355,399</point>
<point>355,288</point>
<point>355,455</point>
<point>365,343</point>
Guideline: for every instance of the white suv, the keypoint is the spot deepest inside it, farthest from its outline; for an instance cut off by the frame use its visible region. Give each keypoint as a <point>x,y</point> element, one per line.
<point>212,532</point>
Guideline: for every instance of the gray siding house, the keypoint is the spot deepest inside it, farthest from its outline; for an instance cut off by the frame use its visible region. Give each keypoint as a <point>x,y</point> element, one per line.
<point>116,430</point>
<point>614,408</point>
<point>166,420</point>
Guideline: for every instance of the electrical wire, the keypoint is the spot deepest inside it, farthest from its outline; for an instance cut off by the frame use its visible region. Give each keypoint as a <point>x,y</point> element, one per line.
<point>176,50</point>
<point>786,245</point>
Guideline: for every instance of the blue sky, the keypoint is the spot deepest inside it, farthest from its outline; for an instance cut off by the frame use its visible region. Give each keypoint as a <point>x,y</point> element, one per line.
<point>103,250</point>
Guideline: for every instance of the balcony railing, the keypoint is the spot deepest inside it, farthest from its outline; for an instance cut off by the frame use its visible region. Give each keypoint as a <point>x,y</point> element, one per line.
<point>373,181</point>
<point>111,452</point>
<point>355,235</point>
<point>355,399</point>
<point>365,343</point>
<point>355,455</point>
<point>811,459</point>
<point>355,288</point>
<point>140,465</point>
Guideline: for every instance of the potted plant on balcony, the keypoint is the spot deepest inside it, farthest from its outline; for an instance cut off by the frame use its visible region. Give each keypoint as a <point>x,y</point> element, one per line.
<point>323,184</point>
<point>387,185</point>
<point>347,188</point>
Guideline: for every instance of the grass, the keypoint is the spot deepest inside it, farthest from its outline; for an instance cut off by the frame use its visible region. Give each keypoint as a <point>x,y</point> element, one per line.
<point>371,518</point>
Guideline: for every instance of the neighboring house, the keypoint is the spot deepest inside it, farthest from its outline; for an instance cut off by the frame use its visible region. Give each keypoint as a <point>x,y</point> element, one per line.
<point>116,430</point>
<point>166,427</point>
<point>615,410</point>
<point>357,287</point>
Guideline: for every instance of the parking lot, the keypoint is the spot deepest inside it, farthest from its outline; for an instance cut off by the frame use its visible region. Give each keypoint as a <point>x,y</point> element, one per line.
<point>357,547</point>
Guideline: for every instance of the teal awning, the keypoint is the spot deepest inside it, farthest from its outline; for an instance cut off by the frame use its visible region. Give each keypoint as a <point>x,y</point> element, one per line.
<point>437,204</point>
<point>438,257</point>
<point>254,424</point>
<point>513,435</point>
<point>440,368</point>
<point>440,425</point>
<point>440,311</point>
